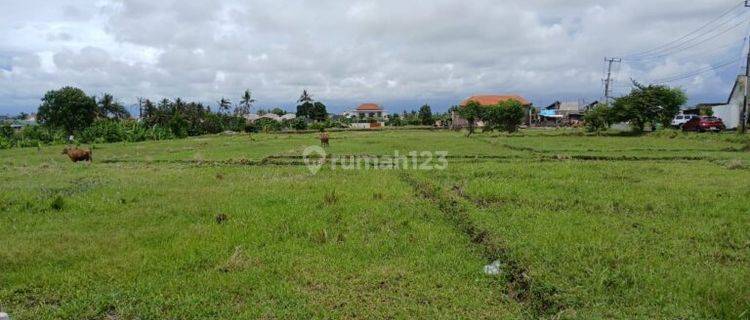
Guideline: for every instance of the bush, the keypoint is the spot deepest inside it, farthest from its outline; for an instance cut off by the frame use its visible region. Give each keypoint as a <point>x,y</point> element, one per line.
<point>6,131</point>
<point>506,116</point>
<point>213,124</point>
<point>33,136</point>
<point>318,126</point>
<point>236,124</point>
<point>104,131</point>
<point>5,143</point>
<point>597,119</point>
<point>179,126</point>
<point>267,125</point>
<point>298,124</point>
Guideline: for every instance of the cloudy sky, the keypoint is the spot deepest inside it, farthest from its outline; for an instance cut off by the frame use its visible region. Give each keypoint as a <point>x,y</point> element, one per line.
<point>394,52</point>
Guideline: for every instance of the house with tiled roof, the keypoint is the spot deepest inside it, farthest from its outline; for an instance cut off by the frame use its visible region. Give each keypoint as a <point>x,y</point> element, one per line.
<point>486,101</point>
<point>367,115</point>
<point>369,110</point>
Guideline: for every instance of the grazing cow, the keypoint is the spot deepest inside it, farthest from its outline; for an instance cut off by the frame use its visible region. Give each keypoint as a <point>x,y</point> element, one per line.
<point>77,155</point>
<point>324,139</point>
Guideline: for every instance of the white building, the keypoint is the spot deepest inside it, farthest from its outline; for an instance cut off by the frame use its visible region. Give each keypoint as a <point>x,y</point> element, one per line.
<point>730,111</point>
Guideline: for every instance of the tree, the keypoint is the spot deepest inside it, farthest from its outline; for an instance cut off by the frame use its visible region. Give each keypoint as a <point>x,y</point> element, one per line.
<point>648,104</point>
<point>109,108</point>
<point>6,131</point>
<point>506,116</point>
<point>246,104</point>
<point>224,105</point>
<point>425,116</point>
<point>312,110</point>
<point>69,109</point>
<point>598,118</point>
<point>512,115</point>
<point>179,126</point>
<point>278,111</point>
<point>472,112</point>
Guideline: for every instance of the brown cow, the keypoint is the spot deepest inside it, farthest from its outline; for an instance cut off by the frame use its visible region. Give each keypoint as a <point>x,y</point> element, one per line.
<point>77,155</point>
<point>324,139</point>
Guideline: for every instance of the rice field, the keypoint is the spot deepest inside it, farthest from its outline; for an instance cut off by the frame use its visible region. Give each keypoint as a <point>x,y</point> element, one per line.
<point>539,224</point>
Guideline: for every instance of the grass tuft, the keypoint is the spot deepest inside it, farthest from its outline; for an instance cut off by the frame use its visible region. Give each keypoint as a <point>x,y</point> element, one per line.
<point>330,198</point>
<point>221,218</point>
<point>58,203</point>
<point>238,261</point>
<point>735,165</point>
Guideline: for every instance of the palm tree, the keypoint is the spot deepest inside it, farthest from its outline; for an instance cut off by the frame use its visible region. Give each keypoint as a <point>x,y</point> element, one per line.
<point>108,107</point>
<point>245,105</point>
<point>305,97</point>
<point>224,105</point>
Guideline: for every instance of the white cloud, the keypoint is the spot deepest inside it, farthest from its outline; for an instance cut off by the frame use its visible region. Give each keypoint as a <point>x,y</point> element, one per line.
<point>400,53</point>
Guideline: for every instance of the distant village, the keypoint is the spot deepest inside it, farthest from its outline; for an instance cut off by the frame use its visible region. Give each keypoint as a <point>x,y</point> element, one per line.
<point>558,114</point>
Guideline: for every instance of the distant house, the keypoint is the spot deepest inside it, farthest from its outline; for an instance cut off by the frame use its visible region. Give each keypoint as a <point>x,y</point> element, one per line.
<point>729,112</point>
<point>288,116</point>
<point>254,117</point>
<point>369,110</point>
<point>571,111</point>
<point>18,125</point>
<point>486,101</point>
<point>367,116</point>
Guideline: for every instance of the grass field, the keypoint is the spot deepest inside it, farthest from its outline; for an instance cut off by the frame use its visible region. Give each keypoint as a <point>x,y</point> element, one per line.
<point>580,226</point>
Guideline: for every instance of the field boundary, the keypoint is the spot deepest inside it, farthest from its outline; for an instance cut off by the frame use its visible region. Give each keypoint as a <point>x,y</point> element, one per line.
<point>539,299</point>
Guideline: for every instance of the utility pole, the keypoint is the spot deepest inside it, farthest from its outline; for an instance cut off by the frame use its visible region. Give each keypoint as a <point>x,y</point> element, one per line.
<point>608,81</point>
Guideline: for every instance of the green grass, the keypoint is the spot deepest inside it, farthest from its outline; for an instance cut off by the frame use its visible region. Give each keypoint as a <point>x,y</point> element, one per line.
<point>583,226</point>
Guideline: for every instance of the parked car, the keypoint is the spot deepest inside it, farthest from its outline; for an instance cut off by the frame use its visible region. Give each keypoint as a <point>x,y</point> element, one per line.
<point>703,124</point>
<point>681,119</point>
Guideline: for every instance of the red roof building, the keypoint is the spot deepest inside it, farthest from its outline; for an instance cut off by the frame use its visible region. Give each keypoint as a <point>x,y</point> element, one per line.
<point>486,101</point>
<point>491,100</point>
<point>369,110</point>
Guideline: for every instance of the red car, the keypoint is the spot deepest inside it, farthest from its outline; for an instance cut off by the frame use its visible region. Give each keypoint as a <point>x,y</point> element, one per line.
<point>703,124</point>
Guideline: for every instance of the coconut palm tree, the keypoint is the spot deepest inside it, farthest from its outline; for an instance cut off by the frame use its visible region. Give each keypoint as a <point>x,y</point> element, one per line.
<point>224,105</point>
<point>305,97</point>
<point>245,105</point>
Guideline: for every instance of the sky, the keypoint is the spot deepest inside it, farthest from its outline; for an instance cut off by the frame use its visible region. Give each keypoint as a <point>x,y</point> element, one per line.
<point>400,54</point>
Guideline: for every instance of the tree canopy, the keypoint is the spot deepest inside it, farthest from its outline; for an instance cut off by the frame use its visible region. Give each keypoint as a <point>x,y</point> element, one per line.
<point>506,116</point>
<point>69,109</point>
<point>648,104</point>
<point>425,116</point>
<point>472,112</point>
<point>245,105</point>
<point>312,110</point>
<point>109,108</point>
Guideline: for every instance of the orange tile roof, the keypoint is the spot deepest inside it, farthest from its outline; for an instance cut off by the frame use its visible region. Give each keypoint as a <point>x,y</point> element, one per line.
<point>369,107</point>
<point>491,100</point>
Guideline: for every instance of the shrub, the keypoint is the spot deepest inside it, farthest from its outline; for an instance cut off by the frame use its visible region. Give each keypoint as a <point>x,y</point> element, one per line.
<point>5,143</point>
<point>298,124</point>
<point>213,124</point>
<point>236,124</point>
<point>268,125</point>
<point>58,203</point>
<point>506,116</point>
<point>597,119</point>
<point>318,126</point>
<point>179,126</point>
<point>6,132</point>
<point>103,131</point>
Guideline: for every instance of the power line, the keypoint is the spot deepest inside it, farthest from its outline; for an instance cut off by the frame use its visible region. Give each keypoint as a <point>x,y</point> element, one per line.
<point>684,46</point>
<point>687,36</point>
<point>686,75</point>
